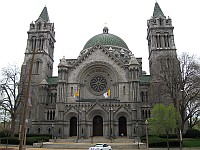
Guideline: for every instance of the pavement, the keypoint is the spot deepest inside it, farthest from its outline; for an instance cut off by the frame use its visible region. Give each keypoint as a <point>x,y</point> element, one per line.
<point>16,147</point>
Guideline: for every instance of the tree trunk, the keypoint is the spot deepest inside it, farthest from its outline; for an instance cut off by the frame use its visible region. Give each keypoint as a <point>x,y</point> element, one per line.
<point>12,134</point>
<point>167,141</point>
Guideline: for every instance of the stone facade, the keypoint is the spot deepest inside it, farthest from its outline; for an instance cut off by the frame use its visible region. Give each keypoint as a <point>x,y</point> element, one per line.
<point>104,92</point>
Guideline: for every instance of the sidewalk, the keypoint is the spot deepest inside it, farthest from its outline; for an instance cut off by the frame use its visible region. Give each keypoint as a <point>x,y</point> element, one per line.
<point>15,147</point>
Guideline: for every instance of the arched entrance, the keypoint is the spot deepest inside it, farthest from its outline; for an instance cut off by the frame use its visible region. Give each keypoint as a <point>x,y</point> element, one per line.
<point>97,126</point>
<point>122,126</point>
<point>73,126</point>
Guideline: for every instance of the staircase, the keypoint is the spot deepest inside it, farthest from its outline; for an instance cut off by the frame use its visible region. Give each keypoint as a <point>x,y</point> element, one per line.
<point>72,143</point>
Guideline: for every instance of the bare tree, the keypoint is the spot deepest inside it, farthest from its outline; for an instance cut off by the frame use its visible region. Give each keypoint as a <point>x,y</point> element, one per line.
<point>190,101</point>
<point>9,93</point>
<point>180,81</point>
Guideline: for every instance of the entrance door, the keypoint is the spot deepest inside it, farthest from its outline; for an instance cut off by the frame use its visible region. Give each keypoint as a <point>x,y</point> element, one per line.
<point>122,126</point>
<point>73,126</point>
<point>97,126</point>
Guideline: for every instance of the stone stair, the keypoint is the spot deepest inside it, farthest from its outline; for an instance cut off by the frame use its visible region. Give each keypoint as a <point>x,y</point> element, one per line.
<point>73,143</point>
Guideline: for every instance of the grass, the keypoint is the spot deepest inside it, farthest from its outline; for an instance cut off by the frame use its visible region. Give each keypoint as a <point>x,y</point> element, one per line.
<point>191,142</point>
<point>155,141</point>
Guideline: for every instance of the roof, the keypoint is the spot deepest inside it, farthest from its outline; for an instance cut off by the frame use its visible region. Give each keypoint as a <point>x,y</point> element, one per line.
<point>106,39</point>
<point>157,11</point>
<point>52,80</point>
<point>44,15</point>
<point>145,79</point>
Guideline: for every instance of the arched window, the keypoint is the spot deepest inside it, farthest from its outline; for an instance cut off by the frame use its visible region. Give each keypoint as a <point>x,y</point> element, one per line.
<point>54,115</point>
<point>37,66</point>
<point>39,25</point>
<point>124,90</point>
<point>51,115</point>
<point>146,96</point>
<point>51,98</point>
<point>41,43</point>
<point>72,91</point>
<point>48,115</point>
<point>49,130</point>
<point>55,97</point>
<point>38,130</point>
<point>33,43</point>
<point>142,96</point>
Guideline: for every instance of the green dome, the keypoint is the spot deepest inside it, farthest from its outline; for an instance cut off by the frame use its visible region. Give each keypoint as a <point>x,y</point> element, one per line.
<point>106,39</point>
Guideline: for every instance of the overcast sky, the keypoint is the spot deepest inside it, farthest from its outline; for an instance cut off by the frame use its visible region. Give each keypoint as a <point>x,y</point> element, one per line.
<point>76,21</point>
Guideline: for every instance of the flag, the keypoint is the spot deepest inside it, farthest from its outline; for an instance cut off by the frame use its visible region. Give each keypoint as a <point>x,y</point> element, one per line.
<point>76,94</point>
<point>107,94</point>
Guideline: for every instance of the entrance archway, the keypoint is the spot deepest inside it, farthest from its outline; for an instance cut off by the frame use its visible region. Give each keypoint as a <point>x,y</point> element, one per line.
<point>122,126</point>
<point>97,126</point>
<point>73,126</point>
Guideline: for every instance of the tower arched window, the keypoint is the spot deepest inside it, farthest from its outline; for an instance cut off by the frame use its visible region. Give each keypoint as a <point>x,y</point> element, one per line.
<point>37,66</point>
<point>55,97</point>
<point>146,96</point>
<point>51,98</point>
<point>53,115</point>
<point>48,115</point>
<point>39,25</point>
<point>161,21</point>
<point>142,96</point>
<point>33,43</point>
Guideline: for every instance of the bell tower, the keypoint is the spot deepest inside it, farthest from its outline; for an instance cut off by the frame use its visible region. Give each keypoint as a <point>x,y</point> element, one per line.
<point>162,51</point>
<point>41,39</point>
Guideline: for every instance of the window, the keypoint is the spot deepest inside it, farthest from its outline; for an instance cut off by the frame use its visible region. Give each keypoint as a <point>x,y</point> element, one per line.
<point>39,26</point>
<point>124,90</point>
<point>142,96</point>
<point>38,130</point>
<point>72,93</point>
<point>33,43</point>
<point>37,66</point>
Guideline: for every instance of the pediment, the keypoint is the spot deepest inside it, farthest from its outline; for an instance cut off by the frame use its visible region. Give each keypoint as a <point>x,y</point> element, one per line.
<point>71,110</point>
<point>123,111</point>
<point>97,47</point>
<point>96,107</point>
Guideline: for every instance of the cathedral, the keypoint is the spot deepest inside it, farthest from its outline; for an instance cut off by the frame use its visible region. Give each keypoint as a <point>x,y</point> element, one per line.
<point>103,92</point>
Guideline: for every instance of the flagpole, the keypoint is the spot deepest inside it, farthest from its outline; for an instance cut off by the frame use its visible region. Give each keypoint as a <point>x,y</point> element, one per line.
<point>110,116</point>
<point>79,91</point>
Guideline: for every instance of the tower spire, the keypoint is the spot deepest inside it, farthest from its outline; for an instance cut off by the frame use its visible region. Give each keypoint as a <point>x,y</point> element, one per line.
<point>157,11</point>
<point>44,15</point>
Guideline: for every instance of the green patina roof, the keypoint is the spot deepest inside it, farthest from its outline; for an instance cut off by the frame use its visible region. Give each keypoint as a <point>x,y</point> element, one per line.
<point>44,14</point>
<point>145,79</point>
<point>106,39</point>
<point>157,11</point>
<point>52,80</point>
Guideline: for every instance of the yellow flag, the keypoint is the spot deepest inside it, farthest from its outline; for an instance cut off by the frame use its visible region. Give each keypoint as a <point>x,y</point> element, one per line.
<point>77,93</point>
<point>109,92</point>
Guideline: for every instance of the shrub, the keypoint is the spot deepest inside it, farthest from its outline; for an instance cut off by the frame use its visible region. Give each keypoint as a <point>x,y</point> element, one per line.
<point>29,140</point>
<point>192,133</point>
<point>11,140</point>
<point>170,136</point>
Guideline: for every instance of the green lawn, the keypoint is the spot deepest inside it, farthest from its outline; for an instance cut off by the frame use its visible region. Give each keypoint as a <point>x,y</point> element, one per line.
<point>191,142</point>
<point>161,142</point>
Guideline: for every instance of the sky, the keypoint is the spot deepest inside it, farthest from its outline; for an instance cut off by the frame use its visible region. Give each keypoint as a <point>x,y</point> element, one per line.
<point>76,21</point>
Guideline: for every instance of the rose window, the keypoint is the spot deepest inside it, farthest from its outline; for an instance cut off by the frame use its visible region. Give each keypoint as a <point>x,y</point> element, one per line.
<point>98,83</point>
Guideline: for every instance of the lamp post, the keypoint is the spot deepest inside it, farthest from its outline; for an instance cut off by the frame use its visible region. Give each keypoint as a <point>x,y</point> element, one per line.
<point>25,134</point>
<point>110,122</point>
<point>137,135</point>
<point>52,127</point>
<point>147,136</point>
